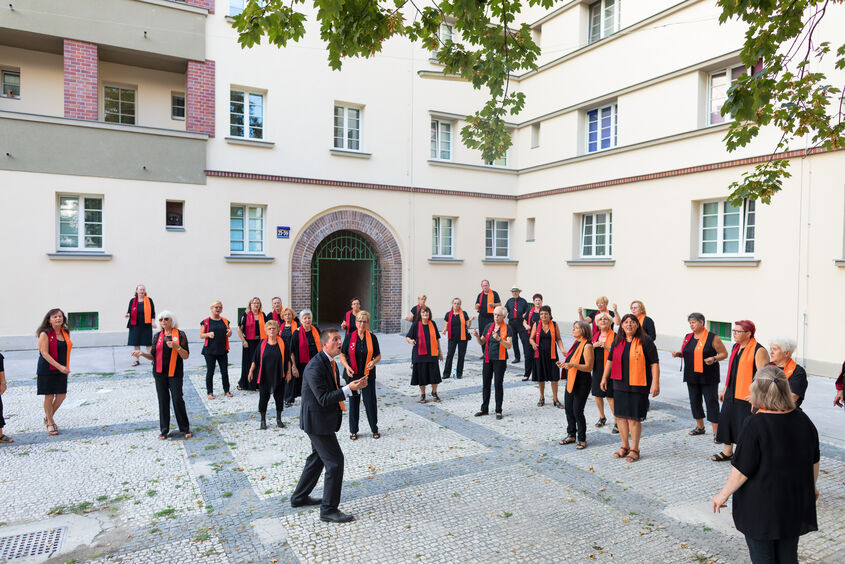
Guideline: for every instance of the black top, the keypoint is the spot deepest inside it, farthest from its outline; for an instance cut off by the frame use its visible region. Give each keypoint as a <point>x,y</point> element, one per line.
<point>216,345</point>
<point>242,324</point>
<point>455,332</point>
<point>140,316</point>
<point>711,372</point>
<point>1,363</point>
<point>776,452</point>
<point>517,307</point>
<point>532,316</point>
<point>482,310</point>
<point>545,343</point>
<point>415,312</point>
<point>650,352</point>
<point>596,325</point>
<point>352,324</point>
<point>798,383</point>
<point>165,354</point>
<point>570,354</point>
<point>492,347</point>
<point>313,347</point>
<point>598,360</point>
<point>412,334</point>
<point>273,367</point>
<point>320,413</point>
<point>648,327</point>
<point>360,354</point>
<point>44,367</point>
<point>285,334</point>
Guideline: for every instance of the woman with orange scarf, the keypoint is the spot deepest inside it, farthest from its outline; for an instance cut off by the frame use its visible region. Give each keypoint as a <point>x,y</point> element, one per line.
<point>140,317</point>
<point>602,341</point>
<point>747,356</point>
<point>495,340</point>
<point>638,310</point>
<point>271,370</point>
<point>634,368</point>
<point>545,340</point>
<point>425,354</point>
<point>578,367</point>
<point>53,364</point>
<point>359,355</point>
<point>251,331</point>
<point>780,350</point>
<point>289,324</point>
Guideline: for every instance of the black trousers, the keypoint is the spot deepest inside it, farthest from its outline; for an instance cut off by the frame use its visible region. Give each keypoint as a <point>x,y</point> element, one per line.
<point>278,394</point>
<point>370,404</point>
<point>170,390</point>
<point>519,331</point>
<point>247,355</point>
<point>780,551</point>
<point>494,369</point>
<point>461,347</point>
<point>574,404</point>
<point>222,361</point>
<point>325,453</point>
<point>2,421</point>
<point>710,393</point>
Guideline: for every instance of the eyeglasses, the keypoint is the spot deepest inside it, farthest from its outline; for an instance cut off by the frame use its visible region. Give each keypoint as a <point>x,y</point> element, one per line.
<point>739,331</point>
<point>218,307</point>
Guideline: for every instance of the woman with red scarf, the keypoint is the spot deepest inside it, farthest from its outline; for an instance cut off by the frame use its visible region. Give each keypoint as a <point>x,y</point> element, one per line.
<point>359,355</point>
<point>578,367</point>
<point>532,317</point>
<point>304,345</point>
<point>170,349</point>
<point>457,332</point>
<point>634,368</point>
<point>545,340</point>
<point>351,316</point>
<point>53,365</point>
<point>271,369</point>
<point>277,313</point>
<point>747,356</point>
<point>251,331</point>
<point>495,340</point>
<point>602,341</point>
<point>140,317</point>
<point>289,324</point>
<point>425,354</point>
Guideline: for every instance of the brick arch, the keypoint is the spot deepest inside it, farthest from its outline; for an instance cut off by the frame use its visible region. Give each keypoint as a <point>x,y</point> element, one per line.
<point>383,243</point>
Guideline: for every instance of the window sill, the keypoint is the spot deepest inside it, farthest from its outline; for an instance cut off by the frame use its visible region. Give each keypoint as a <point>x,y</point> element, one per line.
<point>488,168</point>
<point>499,261</point>
<point>250,142</point>
<point>445,260</point>
<point>350,153</point>
<point>249,258</point>
<point>174,228</point>
<point>839,262</point>
<point>176,118</point>
<point>723,261</point>
<point>591,262</point>
<point>530,240</point>
<point>78,255</point>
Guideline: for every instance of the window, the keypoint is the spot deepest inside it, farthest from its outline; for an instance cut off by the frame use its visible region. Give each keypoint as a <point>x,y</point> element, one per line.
<point>721,328</point>
<point>719,84</point>
<point>347,128</point>
<point>604,19</point>
<point>119,105</point>
<point>236,7</point>
<point>535,135</point>
<point>441,237</point>
<point>250,105</point>
<point>497,238</point>
<point>83,321</point>
<point>530,224</point>
<point>441,140</point>
<point>601,128</point>
<point>246,229</point>
<point>444,34</point>
<point>80,223</point>
<point>11,83</point>
<point>177,105</point>
<point>726,229</point>
<point>597,234</point>
<point>175,214</point>
<point>501,161</point>
<point>241,312</point>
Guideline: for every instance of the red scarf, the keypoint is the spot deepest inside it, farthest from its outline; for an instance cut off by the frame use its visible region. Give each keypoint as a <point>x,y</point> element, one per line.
<point>250,326</point>
<point>503,334</point>
<point>463,336</point>
<point>353,358</point>
<point>304,351</point>
<point>281,344</point>
<point>148,311</point>
<point>171,369</point>
<point>553,352</point>
<point>207,323</point>
<point>277,318</point>
<point>351,321</point>
<point>596,314</point>
<point>422,348</point>
<point>53,347</point>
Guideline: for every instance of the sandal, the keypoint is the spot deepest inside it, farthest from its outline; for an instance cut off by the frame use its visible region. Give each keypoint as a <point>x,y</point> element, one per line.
<point>601,422</point>
<point>435,396</point>
<point>615,429</point>
<point>633,456</point>
<point>136,363</point>
<point>721,457</point>
<point>567,441</point>
<point>188,435</point>
<point>52,430</point>
<point>376,435</point>
<point>422,398</point>
<point>228,394</point>
<point>581,445</point>
<point>6,439</point>
<point>288,403</point>
<point>542,402</point>
<point>353,436</point>
<point>558,405</point>
<point>162,436</point>
<point>697,431</point>
<point>210,396</point>
<point>622,452</point>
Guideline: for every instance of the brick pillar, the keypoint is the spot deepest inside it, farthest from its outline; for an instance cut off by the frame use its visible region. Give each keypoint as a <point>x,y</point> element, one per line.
<point>207,4</point>
<point>199,101</point>
<point>80,64</point>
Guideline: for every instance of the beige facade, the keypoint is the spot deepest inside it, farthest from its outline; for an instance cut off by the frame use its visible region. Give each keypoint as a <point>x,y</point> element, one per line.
<point>663,177</point>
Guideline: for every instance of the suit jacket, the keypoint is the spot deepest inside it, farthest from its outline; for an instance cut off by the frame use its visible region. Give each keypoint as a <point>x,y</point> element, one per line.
<point>320,413</point>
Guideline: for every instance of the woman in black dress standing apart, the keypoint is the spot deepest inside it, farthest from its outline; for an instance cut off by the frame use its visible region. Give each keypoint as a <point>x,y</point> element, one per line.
<point>141,315</point>
<point>425,354</point>
<point>54,345</point>
<point>251,331</point>
<point>578,366</point>
<point>359,355</point>
<point>271,369</point>
<point>304,345</point>
<point>215,331</point>
<point>545,340</point>
<point>602,342</point>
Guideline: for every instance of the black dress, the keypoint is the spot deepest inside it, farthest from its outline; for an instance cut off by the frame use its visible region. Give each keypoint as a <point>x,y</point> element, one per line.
<point>425,368</point>
<point>140,334</point>
<point>631,402</point>
<point>545,367</point>
<point>271,368</point>
<point>248,352</point>
<point>734,411</point>
<point>599,355</point>
<point>776,452</point>
<point>52,382</point>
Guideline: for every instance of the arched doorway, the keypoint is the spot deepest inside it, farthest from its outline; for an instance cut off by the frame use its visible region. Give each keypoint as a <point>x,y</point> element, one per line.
<point>344,266</point>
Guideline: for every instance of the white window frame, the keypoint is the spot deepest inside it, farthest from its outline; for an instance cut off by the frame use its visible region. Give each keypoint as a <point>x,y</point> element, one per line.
<point>501,162</point>
<point>438,226</point>
<point>246,229</point>
<point>535,135</point>
<point>614,108</point>
<point>247,93</point>
<point>3,73</point>
<point>494,225</point>
<point>135,103</point>
<point>80,223</point>
<point>603,20</point>
<point>444,33</point>
<point>346,140</point>
<point>236,7</point>
<point>747,219</point>
<point>175,94</point>
<point>436,139</point>
<point>728,71</point>
<point>591,221</point>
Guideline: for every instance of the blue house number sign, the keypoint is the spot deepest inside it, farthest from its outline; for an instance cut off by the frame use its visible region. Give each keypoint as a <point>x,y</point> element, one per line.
<point>282,232</point>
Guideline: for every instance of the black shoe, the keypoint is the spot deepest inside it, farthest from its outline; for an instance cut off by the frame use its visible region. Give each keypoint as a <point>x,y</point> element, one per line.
<point>447,376</point>
<point>263,425</point>
<point>526,378</point>
<point>516,361</point>
<point>615,429</point>
<point>279,423</point>
<point>498,416</point>
<point>458,376</point>
<point>480,413</point>
<point>336,516</point>
<point>307,501</point>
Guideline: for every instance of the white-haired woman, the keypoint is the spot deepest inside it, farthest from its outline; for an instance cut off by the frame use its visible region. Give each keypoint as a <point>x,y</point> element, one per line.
<point>304,345</point>
<point>780,351</point>
<point>774,474</point>
<point>495,340</point>
<point>170,349</point>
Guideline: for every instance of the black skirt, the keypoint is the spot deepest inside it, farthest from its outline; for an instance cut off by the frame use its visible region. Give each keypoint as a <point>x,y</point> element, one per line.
<point>630,405</point>
<point>733,414</point>
<point>49,384</point>
<point>545,369</point>
<point>425,373</point>
<point>140,335</point>
<point>597,391</point>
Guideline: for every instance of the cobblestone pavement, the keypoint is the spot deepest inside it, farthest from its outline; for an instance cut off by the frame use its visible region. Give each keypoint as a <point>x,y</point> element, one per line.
<point>440,486</point>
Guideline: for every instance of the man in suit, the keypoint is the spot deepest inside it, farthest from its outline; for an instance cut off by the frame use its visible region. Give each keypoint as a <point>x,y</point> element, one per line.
<point>320,416</point>
<point>517,308</point>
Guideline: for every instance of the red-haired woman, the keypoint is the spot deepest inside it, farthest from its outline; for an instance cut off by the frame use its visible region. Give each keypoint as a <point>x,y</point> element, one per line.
<point>747,356</point>
<point>545,340</point>
<point>53,365</point>
<point>425,354</point>
<point>251,331</point>
<point>140,315</point>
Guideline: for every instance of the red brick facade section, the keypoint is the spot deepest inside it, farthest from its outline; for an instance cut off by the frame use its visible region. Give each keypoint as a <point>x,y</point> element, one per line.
<point>207,4</point>
<point>199,101</point>
<point>81,85</point>
<point>383,243</point>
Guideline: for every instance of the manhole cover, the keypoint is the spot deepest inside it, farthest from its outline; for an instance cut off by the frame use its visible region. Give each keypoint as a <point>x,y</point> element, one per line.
<point>46,542</point>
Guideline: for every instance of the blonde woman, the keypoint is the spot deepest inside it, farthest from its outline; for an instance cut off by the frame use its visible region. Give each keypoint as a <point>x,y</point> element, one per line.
<point>415,311</point>
<point>215,331</point>
<point>638,311</point>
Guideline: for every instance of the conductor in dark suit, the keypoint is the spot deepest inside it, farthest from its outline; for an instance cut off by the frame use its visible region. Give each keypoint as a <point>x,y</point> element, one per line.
<point>320,415</point>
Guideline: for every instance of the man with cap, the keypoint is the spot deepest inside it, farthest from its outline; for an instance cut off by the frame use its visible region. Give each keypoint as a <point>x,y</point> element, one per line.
<point>517,308</point>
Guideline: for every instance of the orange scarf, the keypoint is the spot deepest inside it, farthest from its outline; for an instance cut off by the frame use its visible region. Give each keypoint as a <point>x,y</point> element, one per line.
<point>503,334</point>
<point>552,334</point>
<point>148,311</point>
<point>489,294</point>
<point>745,371</point>
<point>353,358</point>
<point>463,336</point>
<point>573,372</point>
<point>641,318</point>
<point>207,323</point>
<point>160,345</point>
<point>789,368</point>
<point>432,333</point>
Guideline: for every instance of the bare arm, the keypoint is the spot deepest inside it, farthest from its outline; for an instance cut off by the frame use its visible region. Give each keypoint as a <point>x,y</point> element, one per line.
<point>721,351</point>
<point>761,359</point>
<point>44,349</point>
<point>655,379</point>
<point>345,363</point>
<point>735,481</point>
<point>605,375</point>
